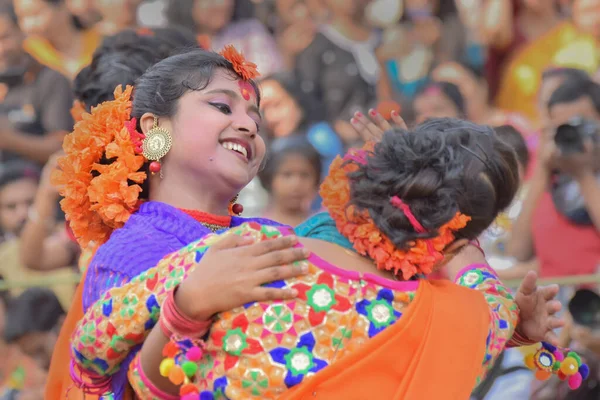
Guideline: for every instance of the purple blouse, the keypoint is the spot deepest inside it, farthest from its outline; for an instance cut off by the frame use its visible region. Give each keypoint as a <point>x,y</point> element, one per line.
<point>156,230</point>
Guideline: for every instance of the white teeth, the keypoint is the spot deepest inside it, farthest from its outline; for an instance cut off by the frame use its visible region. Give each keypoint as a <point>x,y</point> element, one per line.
<point>235,147</point>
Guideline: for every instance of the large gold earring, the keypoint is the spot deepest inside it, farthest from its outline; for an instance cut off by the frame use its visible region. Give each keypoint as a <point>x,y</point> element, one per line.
<point>156,145</point>
<point>235,208</point>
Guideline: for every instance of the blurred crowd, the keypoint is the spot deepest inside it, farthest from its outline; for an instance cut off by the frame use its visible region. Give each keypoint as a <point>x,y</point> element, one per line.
<point>529,68</point>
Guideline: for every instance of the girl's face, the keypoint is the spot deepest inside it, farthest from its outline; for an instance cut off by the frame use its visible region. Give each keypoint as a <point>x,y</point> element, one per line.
<point>282,113</point>
<point>36,17</point>
<point>211,16</point>
<point>215,135</point>
<point>433,103</point>
<point>295,183</point>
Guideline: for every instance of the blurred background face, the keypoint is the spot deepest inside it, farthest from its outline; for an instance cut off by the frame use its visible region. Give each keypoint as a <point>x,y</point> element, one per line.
<point>354,9</point>
<point>11,41</point>
<point>433,103</point>
<point>126,14</point>
<point>470,87</point>
<point>15,199</point>
<point>39,346</point>
<point>281,113</point>
<point>563,112</point>
<point>211,16</point>
<point>36,16</point>
<point>84,10</point>
<point>292,11</point>
<point>295,183</point>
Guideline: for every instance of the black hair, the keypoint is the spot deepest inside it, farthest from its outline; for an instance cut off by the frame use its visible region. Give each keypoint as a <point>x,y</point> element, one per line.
<point>573,89</point>
<point>312,110</point>
<point>512,137</point>
<point>180,12</point>
<point>160,88</point>
<point>122,58</point>
<point>280,149</point>
<point>440,167</point>
<point>565,73</point>
<point>8,10</point>
<point>449,90</point>
<point>4,294</point>
<point>35,310</point>
<point>15,170</point>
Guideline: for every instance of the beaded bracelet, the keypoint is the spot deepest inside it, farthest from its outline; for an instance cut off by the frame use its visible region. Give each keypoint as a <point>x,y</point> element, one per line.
<point>181,364</point>
<point>549,360</point>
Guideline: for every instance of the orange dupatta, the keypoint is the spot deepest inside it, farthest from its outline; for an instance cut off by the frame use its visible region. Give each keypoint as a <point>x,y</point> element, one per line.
<point>435,351</point>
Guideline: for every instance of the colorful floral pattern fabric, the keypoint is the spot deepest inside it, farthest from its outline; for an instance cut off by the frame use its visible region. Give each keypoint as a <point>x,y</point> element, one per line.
<point>262,349</point>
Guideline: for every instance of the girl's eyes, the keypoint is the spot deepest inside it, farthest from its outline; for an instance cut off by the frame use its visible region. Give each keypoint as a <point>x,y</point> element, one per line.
<point>224,108</point>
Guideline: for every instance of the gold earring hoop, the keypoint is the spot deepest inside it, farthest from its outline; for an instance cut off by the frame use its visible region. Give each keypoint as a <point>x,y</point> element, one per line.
<point>156,145</point>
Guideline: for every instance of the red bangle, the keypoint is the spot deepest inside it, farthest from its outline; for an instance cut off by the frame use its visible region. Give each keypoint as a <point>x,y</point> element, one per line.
<point>174,323</point>
<point>518,340</point>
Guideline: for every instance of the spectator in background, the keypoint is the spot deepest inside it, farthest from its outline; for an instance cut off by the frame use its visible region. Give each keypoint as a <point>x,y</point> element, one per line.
<point>34,100</point>
<point>494,240</point>
<point>437,100</point>
<point>474,89</point>
<point>292,176</point>
<point>339,68</point>
<point>224,22</point>
<point>18,185</point>
<point>84,13</point>
<point>52,36</point>
<point>116,15</point>
<point>32,323</point>
<point>20,376</point>
<point>295,30</point>
<point>563,246</point>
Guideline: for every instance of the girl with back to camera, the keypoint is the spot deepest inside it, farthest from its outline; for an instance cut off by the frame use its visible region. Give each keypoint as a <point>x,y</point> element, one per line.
<point>407,220</point>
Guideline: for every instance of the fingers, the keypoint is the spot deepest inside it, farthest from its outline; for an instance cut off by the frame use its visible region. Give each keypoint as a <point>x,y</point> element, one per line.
<point>555,323</point>
<point>280,257</point>
<point>231,241</point>
<point>271,245</point>
<point>379,121</point>
<point>366,128</point>
<point>270,294</point>
<point>279,273</point>
<point>553,307</point>
<point>398,120</point>
<point>552,338</point>
<point>549,292</point>
<point>529,284</point>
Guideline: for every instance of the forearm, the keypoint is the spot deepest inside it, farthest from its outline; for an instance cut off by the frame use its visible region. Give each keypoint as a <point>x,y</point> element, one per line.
<point>518,271</point>
<point>144,374</point>
<point>590,190</point>
<point>40,225</point>
<point>36,148</point>
<point>520,244</point>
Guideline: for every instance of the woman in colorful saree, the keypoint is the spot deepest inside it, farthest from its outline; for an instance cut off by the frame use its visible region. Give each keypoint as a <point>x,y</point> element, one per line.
<point>406,205</point>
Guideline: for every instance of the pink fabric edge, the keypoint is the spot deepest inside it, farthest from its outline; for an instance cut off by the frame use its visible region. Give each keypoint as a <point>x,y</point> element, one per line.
<point>407,286</point>
<point>472,267</point>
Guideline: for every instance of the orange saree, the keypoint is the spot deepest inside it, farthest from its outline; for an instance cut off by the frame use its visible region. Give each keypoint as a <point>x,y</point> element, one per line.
<point>433,352</point>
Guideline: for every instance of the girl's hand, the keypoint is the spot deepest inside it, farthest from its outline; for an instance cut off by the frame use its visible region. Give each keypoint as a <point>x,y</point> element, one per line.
<point>231,273</point>
<point>372,129</point>
<point>538,309</point>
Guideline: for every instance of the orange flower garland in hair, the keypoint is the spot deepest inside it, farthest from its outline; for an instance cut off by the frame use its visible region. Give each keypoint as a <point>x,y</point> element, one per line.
<point>245,69</point>
<point>99,198</point>
<point>365,236</point>
<point>77,111</point>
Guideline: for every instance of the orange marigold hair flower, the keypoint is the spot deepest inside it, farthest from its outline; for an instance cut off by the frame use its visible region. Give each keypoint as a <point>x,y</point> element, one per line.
<point>77,111</point>
<point>365,236</point>
<point>246,69</point>
<point>99,198</point>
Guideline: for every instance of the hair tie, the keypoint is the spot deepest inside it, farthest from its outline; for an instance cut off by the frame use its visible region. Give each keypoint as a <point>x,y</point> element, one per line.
<point>398,203</point>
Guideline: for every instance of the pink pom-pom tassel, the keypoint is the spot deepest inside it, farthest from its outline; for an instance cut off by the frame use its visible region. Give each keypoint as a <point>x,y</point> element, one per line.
<point>575,381</point>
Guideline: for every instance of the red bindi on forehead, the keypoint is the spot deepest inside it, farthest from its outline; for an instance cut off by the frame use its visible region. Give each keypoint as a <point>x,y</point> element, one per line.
<point>246,90</point>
